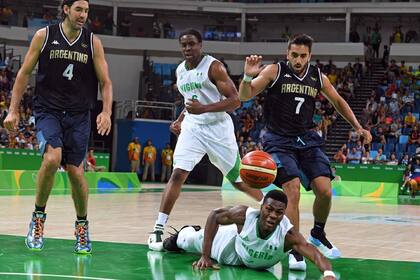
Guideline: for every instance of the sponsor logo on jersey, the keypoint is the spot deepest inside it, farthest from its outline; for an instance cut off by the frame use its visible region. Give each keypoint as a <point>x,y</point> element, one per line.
<point>55,42</point>
<point>287,76</point>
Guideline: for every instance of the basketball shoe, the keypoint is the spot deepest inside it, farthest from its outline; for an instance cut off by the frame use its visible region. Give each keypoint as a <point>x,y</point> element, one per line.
<point>35,238</point>
<point>155,238</point>
<point>81,232</point>
<point>296,261</point>
<point>324,246</point>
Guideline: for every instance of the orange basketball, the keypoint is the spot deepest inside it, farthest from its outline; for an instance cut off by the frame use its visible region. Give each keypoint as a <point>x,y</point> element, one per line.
<point>258,169</point>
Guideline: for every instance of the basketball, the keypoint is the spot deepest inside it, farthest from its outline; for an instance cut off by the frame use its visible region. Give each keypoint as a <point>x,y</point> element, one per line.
<point>258,169</point>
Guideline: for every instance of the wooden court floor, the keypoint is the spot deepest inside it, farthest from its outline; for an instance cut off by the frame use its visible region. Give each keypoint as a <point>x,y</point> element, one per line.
<point>379,238</point>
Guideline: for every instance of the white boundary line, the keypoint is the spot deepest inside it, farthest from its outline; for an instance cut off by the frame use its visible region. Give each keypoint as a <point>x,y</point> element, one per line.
<point>54,275</point>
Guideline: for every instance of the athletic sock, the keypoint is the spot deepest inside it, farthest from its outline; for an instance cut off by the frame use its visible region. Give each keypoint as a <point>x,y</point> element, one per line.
<point>318,230</point>
<point>82,218</point>
<point>161,221</point>
<point>39,208</point>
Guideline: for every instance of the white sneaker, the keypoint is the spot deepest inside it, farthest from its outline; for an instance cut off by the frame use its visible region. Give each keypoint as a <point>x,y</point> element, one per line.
<point>155,239</point>
<point>330,253</point>
<point>295,264</point>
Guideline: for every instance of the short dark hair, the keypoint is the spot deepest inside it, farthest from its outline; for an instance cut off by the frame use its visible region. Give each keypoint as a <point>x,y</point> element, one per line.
<point>67,3</point>
<point>192,32</point>
<point>276,195</point>
<point>301,39</point>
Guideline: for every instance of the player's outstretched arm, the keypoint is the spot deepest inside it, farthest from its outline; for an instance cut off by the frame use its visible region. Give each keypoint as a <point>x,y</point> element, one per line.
<point>256,77</point>
<point>295,240</point>
<point>343,108</point>
<point>103,121</point>
<point>23,76</point>
<point>220,216</point>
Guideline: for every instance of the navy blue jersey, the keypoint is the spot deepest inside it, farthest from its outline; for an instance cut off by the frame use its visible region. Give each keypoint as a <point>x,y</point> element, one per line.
<point>66,78</point>
<point>290,100</point>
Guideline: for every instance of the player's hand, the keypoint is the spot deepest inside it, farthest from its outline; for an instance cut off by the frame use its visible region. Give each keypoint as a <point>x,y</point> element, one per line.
<point>253,65</point>
<point>103,123</point>
<point>11,122</point>
<point>194,106</point>
<point>175,127</point>
<point>367,137</point>
<point>204,263</point>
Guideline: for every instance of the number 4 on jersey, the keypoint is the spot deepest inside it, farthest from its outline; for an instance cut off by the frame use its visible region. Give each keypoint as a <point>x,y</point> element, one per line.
<point>68,73</point>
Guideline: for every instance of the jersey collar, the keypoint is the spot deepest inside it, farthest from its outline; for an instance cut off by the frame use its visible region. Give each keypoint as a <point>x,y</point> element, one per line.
<point>304,76</point>
<point>65,38</point>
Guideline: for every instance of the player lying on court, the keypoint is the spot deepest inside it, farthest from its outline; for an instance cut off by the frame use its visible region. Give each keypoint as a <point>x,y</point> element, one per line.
<point>257,239</point>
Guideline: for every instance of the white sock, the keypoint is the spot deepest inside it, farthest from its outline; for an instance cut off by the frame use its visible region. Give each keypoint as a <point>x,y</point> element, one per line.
<point>162,219</point>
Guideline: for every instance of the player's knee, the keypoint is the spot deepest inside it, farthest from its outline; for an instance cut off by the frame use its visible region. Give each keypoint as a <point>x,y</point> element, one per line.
<point>292,190</point>
<point>75,172</point>
<point>51,161</point>
<point>179,176</point>
<point>324,193</point>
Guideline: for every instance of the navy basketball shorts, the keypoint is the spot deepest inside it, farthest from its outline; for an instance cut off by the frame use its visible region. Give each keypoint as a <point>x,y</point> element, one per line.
<point>69,131</point>
<point>297,157</point>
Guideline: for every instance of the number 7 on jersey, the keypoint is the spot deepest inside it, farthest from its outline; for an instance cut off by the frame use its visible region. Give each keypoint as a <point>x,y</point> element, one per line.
<point>299,105</point>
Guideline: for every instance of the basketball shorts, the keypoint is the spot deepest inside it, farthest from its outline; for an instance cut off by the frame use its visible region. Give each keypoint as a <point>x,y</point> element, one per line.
<point>69,131</point>
<point>223,247</point>
<point>216,139</point>
<point>298,157</point>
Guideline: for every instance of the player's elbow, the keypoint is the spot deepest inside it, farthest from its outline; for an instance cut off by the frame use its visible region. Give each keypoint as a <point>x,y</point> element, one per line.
<point>236,103</point>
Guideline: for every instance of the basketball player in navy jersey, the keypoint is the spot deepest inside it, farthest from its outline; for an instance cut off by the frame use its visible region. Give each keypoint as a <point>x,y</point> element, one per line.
<point>289,107</point>
<point>71,62</point>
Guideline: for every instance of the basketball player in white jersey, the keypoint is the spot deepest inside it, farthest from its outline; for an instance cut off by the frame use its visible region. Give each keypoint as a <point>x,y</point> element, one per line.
<point>203,127</point>
<point>242,235</point>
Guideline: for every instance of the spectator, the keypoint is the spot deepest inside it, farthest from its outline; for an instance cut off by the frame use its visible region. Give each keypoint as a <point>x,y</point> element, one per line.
<point>367,36</point>
<point>149,158</point>
<point>91,162</point>
<point>366,158</point>
<point>5,14</point>
<point>398,36</point>
<point>157,28</point>
<point>385,56</point>
<point>380,157</point>
<point>414,136</point>
<point>134,149</point>
<point>354,36</point>
<point>167,159</point>
<point>354,156</point>
<point>340,156</point>
<point>125,26</point>
<point>96,25</point>
<point>405,160</point>
<point>108,24</point>
<point>410,120</point>
<point>376,41</point>
<point>168,30</point>
<point>413,179</point>
<point>353,138</point>
<point>392,160</point>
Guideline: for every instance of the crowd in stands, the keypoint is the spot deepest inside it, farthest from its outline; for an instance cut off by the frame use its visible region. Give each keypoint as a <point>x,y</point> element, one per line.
<point>392,116</point>
<point>24,137</point>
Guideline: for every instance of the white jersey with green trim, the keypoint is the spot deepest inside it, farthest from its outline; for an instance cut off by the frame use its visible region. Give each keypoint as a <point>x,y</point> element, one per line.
<point>195,84</point>
<point>256,252</point>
